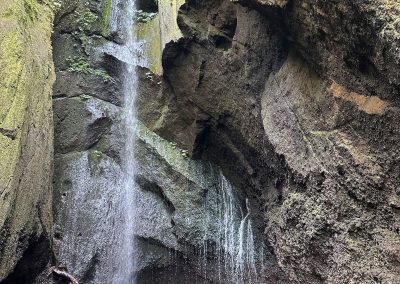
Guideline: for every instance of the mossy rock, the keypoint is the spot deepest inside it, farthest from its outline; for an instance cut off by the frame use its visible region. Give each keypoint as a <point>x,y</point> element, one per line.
<point>26,78</point>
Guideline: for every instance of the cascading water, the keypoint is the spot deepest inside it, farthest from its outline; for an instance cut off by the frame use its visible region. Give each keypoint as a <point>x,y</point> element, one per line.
<point>245,267</point>
<point>122,21</point>
<point>235,243</point>
<point>97,243</point>
<point>227,245</point>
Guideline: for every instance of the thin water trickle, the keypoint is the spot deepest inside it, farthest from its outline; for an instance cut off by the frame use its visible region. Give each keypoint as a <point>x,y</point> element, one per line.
<point>235,243</point>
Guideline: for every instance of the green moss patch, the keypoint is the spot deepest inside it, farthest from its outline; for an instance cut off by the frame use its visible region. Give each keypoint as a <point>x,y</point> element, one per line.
<point>106,15</point>
<point>81,65</point>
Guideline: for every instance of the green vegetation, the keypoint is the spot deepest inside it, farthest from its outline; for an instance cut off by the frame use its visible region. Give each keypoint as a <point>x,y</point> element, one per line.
<point>80,65</point>
<point>95,157</point>
<point>32,8</point>
<point>86,21</point>
<point>106,14</point>
<point>143,17</point>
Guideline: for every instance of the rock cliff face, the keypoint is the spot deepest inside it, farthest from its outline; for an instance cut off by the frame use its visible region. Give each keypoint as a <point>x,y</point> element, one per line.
<point>295,101</point>
<point>26,138</point>
<point>298,103</point>
<point>289,107</point>
<point>171,228</point>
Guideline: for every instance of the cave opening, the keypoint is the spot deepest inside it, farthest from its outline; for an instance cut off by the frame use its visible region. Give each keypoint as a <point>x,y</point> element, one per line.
<point>148,6</point>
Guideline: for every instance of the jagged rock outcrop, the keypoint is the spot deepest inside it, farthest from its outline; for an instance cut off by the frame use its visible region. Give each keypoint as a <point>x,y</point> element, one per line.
<point>26,138</point>
<point>294,102</point>
<point>299,106</point>
<point>171,229</point>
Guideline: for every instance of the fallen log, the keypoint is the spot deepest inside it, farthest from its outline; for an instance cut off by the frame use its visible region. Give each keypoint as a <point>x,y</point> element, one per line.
<point>62,273</point>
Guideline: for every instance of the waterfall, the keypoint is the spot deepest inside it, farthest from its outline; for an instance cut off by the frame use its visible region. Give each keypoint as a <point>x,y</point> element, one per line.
<point>90,215</point>
<point>99,208</point>
<point>245,267</point>
<point>98,243</point>
<point>235,251</point>
<point>122,21</point>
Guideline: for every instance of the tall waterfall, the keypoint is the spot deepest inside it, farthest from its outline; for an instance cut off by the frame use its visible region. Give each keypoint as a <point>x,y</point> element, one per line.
<point>100,207</point>
<point>122,21</point>
<point>98,194</point>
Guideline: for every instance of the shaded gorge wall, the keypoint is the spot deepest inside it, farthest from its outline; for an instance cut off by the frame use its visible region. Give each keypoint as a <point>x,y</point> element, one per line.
<point>191,223</point>
<point>268,140</point>
<point>26,138</point>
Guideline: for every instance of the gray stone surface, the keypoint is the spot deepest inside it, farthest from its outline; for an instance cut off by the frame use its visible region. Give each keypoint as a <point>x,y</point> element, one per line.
<point>26,139</point>
<point>296,103</point>
<point>299,107</point>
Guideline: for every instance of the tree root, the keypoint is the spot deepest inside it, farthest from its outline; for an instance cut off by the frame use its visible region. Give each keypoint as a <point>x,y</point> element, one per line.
<point>64,274</point>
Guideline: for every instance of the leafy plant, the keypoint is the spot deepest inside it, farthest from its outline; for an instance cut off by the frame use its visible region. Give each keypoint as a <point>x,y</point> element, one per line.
<point>86,21</point>
<point>80,65</point>
<point>141,16</point>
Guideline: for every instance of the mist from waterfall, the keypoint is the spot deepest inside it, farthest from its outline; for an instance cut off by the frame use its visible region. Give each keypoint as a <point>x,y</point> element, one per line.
<point>122,21</point>
<point>97,236</point>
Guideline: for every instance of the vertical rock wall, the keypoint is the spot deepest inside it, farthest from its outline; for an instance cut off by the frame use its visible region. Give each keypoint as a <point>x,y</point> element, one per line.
<point>26,137</point>
<point>158,31</point>
<point>86,100</point>
<point>297,101</point>
<point>168,25</point>
<point>175,242</point>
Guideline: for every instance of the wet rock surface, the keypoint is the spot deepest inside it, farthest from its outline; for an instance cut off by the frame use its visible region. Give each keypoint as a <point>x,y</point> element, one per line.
<point>171,232</point>
<point>300,112</point>
<point>294,102</point>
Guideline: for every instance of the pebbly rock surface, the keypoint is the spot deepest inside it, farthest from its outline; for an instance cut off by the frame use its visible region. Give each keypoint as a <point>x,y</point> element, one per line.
<point>299,106</point>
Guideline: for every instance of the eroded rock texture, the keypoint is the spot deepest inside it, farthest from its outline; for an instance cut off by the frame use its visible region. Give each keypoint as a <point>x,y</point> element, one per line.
<point>172,232</point>
<point>298,103</point>
<point>26,138</point>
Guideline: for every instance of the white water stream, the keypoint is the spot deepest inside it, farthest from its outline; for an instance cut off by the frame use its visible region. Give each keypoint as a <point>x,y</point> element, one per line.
<point>122,21</point>
<point>230,227</point>
<point>108,224</point>
<point>236,241</point>
<point>98,197</point>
